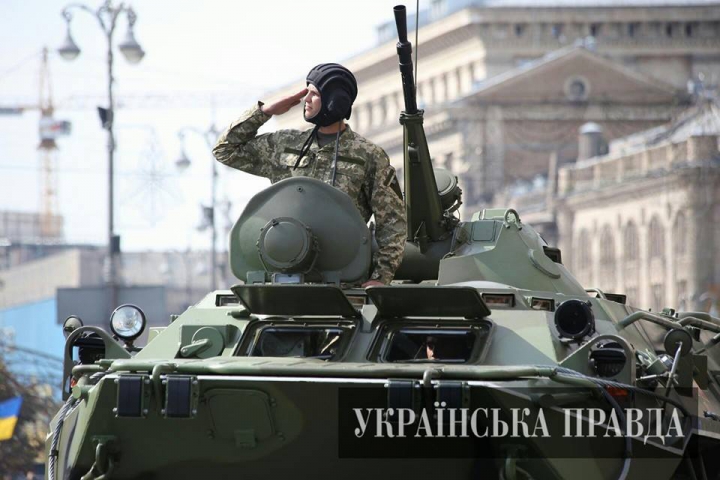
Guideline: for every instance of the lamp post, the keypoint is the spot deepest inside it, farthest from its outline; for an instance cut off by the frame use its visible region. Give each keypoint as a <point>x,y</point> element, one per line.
<point>210,136</point>
<point>107,15</point>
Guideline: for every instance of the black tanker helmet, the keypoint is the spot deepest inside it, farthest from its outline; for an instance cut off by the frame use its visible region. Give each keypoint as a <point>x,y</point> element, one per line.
<point>338,90</point>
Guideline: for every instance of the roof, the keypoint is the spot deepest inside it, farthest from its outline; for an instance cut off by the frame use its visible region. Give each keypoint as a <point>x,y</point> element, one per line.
<point>703,119</point>
<point>448,7</point>
<point>699,120</point>
<point>581,48</point>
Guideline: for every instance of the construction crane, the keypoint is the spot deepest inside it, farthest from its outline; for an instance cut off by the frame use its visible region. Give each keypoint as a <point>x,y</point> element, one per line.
<point>49,129</point>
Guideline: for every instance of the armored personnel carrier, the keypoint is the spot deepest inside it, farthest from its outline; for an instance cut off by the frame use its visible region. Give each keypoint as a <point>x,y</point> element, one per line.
<point>487,359</point>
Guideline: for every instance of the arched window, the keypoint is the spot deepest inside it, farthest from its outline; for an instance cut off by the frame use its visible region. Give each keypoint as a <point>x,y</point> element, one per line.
<point>631,256</point>
<point>680,235</point>
<point>584,254</point>
<point>630,242</point>
<point>656,238</point>
<point>607,246</point>
<point>607,259</point>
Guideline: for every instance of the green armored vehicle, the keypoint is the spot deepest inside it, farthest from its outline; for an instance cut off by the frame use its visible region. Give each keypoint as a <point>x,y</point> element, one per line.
<point>486,360</point>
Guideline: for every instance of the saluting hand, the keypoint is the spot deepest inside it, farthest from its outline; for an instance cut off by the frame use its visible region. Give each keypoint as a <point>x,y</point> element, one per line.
<point>284,104</point>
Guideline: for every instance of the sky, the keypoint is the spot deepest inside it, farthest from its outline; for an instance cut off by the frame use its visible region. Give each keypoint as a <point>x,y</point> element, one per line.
<point>206,62</point>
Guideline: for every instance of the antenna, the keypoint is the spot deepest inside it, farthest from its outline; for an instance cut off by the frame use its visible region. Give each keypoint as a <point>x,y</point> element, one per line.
<point>417,45</point>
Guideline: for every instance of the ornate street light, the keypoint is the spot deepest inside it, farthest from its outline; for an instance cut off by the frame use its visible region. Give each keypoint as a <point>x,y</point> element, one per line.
<point>107,15</point>
<point>69,49</point>
<point>130,47</point>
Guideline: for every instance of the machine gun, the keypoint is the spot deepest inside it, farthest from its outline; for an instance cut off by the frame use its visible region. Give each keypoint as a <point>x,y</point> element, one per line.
<point>429,220</point>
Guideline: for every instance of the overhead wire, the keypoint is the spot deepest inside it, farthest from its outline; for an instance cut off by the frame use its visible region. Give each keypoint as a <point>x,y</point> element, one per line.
<point>19,64</point>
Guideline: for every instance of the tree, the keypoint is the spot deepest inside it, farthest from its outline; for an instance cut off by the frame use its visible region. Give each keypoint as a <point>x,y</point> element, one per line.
<point>25,449</point>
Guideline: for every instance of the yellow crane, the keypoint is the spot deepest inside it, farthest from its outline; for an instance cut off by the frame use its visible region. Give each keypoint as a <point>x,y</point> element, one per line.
<point>49,129</point>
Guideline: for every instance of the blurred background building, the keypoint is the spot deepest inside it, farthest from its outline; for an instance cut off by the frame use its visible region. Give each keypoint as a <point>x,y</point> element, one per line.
<point>517,91</point>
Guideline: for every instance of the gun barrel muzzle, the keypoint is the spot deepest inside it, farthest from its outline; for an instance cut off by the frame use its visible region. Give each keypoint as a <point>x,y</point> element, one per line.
<point>401,22</point>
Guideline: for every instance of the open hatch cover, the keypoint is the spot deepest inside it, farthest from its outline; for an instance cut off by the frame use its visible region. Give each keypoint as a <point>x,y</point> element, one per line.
<point>295,300</point>
<point>428,301</point>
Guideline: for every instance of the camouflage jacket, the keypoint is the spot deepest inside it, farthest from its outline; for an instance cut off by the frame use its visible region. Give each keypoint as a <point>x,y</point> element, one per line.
<point>363,172</point>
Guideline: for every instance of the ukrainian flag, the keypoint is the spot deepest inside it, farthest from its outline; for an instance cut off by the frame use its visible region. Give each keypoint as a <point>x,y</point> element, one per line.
<point>9,412</point>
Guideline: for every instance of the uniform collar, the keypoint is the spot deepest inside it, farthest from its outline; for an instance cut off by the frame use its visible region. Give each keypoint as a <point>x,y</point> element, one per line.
<point>345,137</point>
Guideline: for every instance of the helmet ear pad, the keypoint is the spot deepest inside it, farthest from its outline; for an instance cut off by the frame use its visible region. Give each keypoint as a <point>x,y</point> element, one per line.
<point>339,104</point>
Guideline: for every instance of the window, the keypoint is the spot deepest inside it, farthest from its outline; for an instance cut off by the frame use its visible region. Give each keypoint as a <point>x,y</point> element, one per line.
<point>412,345</point>
<point>577,88</point>
<point>584,259</point>
<point>297,342</point>
<point>633,29</point>
<point>631,256</point>
<point>425,341</point>
<point>272,339</point>
<point>607,259</point>
<point>607,247</point>
<point>658,296</point>
<point>682,300</point>
<point>519,29</point>
<point>630,242</point>
<point>690,29</point>
<point>594,29</point>
<point>557,30</point>
<point>656,234</point>
<point>632,295</point>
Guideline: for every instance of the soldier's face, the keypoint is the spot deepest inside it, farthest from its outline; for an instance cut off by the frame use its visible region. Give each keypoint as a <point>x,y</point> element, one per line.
<point>312,102</point>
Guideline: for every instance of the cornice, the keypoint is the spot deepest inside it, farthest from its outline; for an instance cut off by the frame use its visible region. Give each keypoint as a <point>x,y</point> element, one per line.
<point>655,182</point>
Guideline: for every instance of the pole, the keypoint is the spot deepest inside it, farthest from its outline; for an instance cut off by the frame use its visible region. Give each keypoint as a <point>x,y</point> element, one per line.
<point>213,253</point>
<point>210,135</point>
<point>107,16</point>
<point>210,138</point>
<point>112,280</point>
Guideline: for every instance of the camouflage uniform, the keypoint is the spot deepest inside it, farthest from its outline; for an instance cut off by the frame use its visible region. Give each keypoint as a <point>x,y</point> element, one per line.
<point>363,172</point>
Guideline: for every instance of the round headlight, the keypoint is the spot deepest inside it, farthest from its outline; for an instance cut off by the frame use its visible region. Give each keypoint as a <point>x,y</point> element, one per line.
<point>127,322</point>
<point>574,319</point>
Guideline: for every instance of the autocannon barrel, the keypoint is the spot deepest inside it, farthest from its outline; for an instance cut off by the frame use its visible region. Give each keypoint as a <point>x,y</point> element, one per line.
<point>404,50</point>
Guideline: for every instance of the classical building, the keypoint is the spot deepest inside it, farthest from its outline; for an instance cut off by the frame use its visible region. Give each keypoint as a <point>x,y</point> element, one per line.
<point>504,83</point>
<point>508,85</point>
<point>643,218</point>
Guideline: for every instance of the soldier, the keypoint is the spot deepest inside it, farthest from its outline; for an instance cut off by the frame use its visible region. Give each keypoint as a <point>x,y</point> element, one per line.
<point>330,152</point>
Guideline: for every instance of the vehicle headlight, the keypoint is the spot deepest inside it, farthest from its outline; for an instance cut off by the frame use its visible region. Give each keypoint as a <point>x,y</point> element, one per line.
<point>127,322</point>
<point>574,319</point>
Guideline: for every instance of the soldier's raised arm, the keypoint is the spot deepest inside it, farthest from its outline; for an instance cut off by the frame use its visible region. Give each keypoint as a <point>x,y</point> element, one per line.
<point>242,148</point>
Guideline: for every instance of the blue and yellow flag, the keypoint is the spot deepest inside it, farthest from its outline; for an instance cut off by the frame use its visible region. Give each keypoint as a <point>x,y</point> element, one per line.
<point>9,413</point>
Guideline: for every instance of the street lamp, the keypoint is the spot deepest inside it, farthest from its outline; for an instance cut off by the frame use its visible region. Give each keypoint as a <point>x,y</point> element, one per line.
<point>107,15</point>
<point>182,163</point>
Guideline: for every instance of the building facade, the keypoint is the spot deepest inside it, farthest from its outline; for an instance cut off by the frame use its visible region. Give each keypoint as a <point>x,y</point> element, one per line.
<point>642,219</point>
<point>182,277</point>
<point>505,83</point>
<point>645,218</point>
<point>507,86</point>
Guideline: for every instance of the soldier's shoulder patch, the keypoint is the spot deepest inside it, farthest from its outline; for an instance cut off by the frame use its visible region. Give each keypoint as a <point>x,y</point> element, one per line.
<point>392,182</point>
